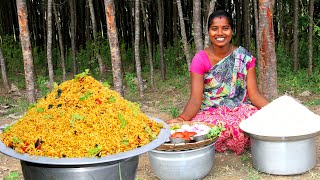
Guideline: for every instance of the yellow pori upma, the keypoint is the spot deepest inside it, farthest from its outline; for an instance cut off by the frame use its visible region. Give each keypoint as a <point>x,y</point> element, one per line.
<point>81,118</point>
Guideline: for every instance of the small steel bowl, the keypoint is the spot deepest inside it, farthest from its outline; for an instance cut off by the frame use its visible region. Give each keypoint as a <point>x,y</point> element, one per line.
<point>200,138</point>
<point>178,140</point>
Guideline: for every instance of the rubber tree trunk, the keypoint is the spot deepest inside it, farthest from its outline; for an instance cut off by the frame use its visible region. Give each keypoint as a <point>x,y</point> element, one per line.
<point>73,32</point>
<point>161,29</point>
<point>102,67</point>
<point>62,55</point>
<point>146,24</point>
<point>4,72</point>
<point>183,34</point>
<point>268,61</point>
<point>311,10</point>
<point>49,44</point>
<point>210,10</point>
<point>114,45</point>
<point>295,35</point>
<point>136,45</point>
<point>26,50</point>
<point>197,27</point>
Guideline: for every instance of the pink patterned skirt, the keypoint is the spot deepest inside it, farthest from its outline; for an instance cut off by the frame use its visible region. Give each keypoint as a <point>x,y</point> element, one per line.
<point>232,138</point>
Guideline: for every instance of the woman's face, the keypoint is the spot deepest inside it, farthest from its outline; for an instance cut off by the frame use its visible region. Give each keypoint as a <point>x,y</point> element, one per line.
<point>220,31</point>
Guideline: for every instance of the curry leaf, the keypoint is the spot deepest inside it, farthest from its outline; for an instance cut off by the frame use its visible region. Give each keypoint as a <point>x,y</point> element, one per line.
<point>111,99</point>
<point>123,122</point>
<point>40,110</point>
<point>95,150</point>
<point>81,75</point>
<point>85,96</point>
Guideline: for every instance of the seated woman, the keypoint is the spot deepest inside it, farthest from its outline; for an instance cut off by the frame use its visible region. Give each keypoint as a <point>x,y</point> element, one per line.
<point>224,89</point>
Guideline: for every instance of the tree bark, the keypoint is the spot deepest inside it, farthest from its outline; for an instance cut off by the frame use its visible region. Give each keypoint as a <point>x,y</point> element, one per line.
<point>102,67</point>
<point>146,24</point>
<point>268,61</point>
<point>161,24</point>
<point>62,55</point>
<point>256,22</point>
<point>197,27</point>
<point>295,35</point>
<point>311,9</point>
<point>238,22</point>
<point>26,50</point>
<point>73,26</point>
<point>183,34</point>
<point>114,46</point>
<point>210,10</point>
<point>246,24</point>
<point>4,72</point>
<point>49,43</point>
<point>136,45</point>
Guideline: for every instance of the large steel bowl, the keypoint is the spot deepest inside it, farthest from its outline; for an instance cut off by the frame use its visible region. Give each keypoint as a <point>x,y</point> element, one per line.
<point>182,165</point>
<point>283,155</point>
<point>108,167</point>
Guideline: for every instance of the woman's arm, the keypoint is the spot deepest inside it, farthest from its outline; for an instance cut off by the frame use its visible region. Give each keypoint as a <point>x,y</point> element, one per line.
<point>256,98</point>
<point>195,100</point>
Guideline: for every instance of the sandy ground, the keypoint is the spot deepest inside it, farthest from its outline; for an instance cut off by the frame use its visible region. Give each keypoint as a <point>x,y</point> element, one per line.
<point>227,166</point>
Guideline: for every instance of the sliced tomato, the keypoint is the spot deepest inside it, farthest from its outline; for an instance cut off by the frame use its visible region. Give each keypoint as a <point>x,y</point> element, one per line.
<point>190,133</point>
<point>178,135</point>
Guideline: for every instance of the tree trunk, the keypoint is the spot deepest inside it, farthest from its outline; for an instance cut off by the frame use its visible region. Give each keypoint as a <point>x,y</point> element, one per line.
<point>238,22</point>
<point>197,27</point>
<point>268,61</point>
<point>96,48</point>
<point>57,19</point>
<point>210,10</point>
<point>295,35</point>
<point>73,35</point>
<point>161,24</point>
<point>49,43</point>
<point>114,45</point>
<point>311,9</point>
<point>256,23</point>
<point>146,24</point>
<point>183,34</point>
<point>4,72</point>
<point>26,50</point>
<point>246,24</point>
<point>136,45</point>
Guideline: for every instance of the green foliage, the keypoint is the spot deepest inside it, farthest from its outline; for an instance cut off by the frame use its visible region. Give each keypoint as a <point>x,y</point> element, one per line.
<point>130,80</point>
<point>42,83</point>
<point>173,111</point>
<point>13,175</point>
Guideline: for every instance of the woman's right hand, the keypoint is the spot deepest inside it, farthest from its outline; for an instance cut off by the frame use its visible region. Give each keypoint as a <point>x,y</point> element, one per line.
<point>176,120</point>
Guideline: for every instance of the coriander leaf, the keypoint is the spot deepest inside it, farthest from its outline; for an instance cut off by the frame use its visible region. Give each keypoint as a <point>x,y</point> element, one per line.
<point>125,142</point>
<point>40,110</point>
<point>106,84</point>
<point>6,129</point>
<point>81,75</point>
<point>85,96</point>
<point>111,99</point>
<point>95,150</point>
<point>123,122</point>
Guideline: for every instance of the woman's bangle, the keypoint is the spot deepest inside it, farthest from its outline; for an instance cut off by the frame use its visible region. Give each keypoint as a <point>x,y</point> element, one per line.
<point>182,118</point>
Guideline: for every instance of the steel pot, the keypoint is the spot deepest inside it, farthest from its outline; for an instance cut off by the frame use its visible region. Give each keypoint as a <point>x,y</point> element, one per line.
<point>107,167</point>
<point>283,155</point>
<point>182,165</point>
<point>126,169</point>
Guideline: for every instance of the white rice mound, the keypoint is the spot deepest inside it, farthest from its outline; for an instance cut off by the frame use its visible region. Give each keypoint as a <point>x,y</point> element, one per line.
<point>283,117</point>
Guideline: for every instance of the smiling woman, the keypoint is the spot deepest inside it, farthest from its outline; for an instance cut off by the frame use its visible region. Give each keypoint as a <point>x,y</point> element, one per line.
<point>223,85</point>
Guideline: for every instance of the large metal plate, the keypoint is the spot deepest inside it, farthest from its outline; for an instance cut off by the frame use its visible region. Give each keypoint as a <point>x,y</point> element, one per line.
<point>162,137</point>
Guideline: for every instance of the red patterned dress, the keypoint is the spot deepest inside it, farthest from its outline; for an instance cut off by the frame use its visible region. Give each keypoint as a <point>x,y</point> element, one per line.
<point>225,96</point>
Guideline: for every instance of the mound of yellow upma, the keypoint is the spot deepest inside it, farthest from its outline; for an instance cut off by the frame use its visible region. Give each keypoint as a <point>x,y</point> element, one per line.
<point>81,118</point>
